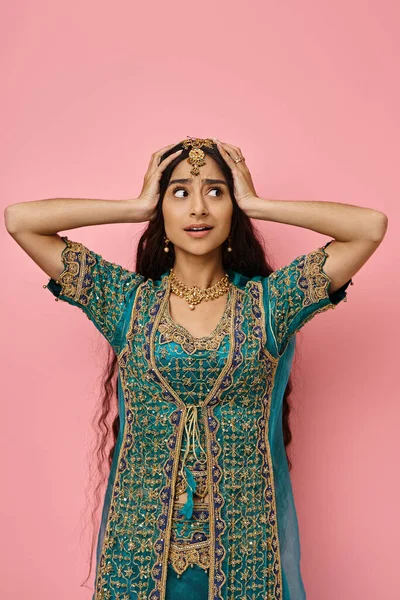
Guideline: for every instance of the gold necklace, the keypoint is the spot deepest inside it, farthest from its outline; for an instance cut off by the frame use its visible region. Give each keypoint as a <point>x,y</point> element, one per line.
<point>193,294</point>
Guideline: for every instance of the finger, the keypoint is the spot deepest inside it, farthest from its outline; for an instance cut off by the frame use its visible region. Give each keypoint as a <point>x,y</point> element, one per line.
<point>229,149</point>
<point>231,146</point>
<point>162,150</point>
<point>226,155</point>
<point>165,162</point>
<point>234,151</point>
<point>234,154</point>
<point>154,159</point>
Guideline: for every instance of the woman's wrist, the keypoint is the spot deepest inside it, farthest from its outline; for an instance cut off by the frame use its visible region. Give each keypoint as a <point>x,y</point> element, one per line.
<point>139,210</point>
<point>256,208</point>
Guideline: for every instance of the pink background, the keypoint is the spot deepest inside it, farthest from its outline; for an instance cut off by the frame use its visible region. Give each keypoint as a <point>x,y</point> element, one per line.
<point>310,92</point>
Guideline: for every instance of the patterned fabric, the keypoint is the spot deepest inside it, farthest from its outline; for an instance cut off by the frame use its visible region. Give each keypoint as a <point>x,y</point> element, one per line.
<point>297,292</point>
<point>190,539</point>
<point>98,287</point>
<point>205,416</point>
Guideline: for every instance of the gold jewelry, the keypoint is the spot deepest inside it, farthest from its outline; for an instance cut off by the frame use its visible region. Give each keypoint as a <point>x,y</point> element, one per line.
<point>196,155</point>
<point>193,294</point>
<point>166,241</point>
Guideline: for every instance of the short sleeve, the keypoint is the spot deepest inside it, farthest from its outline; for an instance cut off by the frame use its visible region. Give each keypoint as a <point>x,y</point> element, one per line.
<point>99,288</point>
<point>297,292</point>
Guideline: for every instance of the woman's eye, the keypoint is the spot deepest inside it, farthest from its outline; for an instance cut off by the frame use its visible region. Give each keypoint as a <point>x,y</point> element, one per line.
<point>178,190</point>
<point>175,190</point>
<point>217,190</point>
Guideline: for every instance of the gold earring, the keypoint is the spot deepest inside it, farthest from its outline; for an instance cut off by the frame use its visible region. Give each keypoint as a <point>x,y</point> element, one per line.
<point>166,241</point>
<point>229,248</point>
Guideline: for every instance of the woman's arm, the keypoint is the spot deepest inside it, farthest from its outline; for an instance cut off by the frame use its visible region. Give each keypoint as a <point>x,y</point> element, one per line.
<point>344,222</point>
<point>34,225</point>
<point>78,275</point>
<point>356,231</point>
<point>47,217</point>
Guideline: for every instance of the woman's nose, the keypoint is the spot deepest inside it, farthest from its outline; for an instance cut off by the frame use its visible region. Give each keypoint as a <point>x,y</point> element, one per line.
<point>198,205</point>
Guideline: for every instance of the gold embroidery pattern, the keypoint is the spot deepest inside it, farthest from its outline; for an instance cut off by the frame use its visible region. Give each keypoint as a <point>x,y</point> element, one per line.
<point>200,477</point>
<point>126,552</point>
<point>212,396</point>
<point>191,366</point>
<point>173,332</point>
<point>183,556</point>
<point>96,286</point>
<point>274,569</point>
<point>190,543</point>
<point>298,292</point>
<point>141,533</point>
<point>253,555</point>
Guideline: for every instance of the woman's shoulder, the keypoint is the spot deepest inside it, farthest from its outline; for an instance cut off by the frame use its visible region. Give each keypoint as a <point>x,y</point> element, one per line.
<point>241,280</point>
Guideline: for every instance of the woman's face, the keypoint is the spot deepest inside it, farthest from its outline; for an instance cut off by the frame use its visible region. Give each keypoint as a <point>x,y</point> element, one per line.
<point>199,199</point>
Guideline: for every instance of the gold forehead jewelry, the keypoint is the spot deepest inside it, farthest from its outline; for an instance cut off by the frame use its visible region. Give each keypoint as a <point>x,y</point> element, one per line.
<point>196,154</point>
<point>193,294</point>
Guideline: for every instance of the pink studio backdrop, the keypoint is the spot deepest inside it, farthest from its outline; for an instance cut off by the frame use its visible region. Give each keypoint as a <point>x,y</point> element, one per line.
<point>309,91</point>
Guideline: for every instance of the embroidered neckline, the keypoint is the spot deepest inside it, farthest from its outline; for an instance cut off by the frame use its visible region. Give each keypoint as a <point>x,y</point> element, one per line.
<point>170,330</point>
<point>215,331</point>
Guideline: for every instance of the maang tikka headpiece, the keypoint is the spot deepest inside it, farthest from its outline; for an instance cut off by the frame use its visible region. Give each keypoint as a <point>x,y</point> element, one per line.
<point>196,155</point>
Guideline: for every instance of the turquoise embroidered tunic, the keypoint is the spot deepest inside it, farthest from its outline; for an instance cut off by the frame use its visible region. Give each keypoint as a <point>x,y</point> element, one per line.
<point>202,415</point>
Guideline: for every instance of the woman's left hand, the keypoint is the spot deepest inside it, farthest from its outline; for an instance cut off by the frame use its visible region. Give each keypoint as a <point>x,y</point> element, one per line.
<point>243,183</point>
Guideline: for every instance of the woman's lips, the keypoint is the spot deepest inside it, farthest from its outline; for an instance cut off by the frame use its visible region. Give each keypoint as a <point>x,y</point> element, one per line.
<point>199,234</point>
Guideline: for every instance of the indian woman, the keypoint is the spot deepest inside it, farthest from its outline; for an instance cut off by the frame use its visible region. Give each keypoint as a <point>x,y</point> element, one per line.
<point>199,502</point>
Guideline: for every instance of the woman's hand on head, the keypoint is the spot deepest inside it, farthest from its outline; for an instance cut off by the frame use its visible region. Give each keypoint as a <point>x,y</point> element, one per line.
<point>243,184</point>
<point>150,194</point>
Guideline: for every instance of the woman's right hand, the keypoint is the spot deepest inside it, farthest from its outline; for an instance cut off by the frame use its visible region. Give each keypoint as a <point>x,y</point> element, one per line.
<point>150,193</point>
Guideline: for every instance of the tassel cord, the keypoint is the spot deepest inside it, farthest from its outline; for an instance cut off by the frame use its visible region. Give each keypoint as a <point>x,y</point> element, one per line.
<point>192,439</point>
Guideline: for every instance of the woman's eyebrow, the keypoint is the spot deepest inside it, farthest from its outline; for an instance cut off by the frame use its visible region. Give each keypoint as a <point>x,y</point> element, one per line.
<point>189,181</point>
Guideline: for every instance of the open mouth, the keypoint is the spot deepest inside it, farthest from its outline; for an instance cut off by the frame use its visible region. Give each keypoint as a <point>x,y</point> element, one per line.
<point>194,228</point>
<point>199,231</point>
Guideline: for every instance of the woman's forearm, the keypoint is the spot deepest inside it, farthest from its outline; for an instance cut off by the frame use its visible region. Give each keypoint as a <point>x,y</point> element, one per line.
<point>47,217</point>
<point>343,222</point>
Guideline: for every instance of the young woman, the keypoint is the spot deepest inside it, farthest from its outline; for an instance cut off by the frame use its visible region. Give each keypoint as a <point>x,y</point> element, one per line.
<point>199,503</point>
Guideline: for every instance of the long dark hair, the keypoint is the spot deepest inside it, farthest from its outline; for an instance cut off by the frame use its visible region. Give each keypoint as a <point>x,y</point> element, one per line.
<point>247,257</point>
